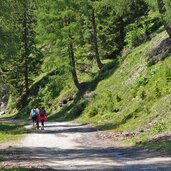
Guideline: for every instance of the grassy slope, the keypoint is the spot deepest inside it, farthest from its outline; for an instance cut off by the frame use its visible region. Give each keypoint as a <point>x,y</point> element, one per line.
<point>10,132</point>
<point>135,98</point>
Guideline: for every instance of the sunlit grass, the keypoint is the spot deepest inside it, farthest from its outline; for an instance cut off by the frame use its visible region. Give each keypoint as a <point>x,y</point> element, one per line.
<point>10,132</point>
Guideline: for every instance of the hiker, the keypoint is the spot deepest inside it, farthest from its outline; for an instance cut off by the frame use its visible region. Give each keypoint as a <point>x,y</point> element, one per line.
<point>42,117</point>
<point>37,119</point>
<point>34,116</point>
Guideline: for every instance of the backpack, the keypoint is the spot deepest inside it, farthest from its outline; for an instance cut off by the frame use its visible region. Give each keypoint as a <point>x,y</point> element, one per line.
<point>33,112</point>
<point>42,112</point>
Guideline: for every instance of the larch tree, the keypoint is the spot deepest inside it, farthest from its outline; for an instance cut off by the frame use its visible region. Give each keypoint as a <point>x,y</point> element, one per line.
<point>164,8</point>
<point>60,20</point>
<point>27,59</point>
<point>88,8</point>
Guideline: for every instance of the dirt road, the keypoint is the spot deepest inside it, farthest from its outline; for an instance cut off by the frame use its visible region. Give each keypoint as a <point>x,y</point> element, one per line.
<point>70,146</point>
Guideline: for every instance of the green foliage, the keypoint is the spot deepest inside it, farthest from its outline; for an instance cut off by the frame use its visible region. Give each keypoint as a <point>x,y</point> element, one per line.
<point>140,31</point>
<point>135,37</point>
<point>118,99</point>
<point>160,127</point>
<point>143,95</point>
<point>157,91</point>
<point>92,111</point>
<point>168,74</point>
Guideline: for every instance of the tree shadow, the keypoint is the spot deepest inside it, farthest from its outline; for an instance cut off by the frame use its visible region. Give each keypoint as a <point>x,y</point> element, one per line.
<point>103,74</point>
<point>74,109</point>
<point>68,130</point>
<point>159,143</point>
<point>90,158</point>
<point>69,112</point>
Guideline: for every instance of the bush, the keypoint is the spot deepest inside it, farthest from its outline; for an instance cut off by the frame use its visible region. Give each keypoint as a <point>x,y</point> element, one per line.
<point>168,74</point>
<point>135,37</point>
<point>118,99</point>
<point>93,112</point>
<point>160,127</point>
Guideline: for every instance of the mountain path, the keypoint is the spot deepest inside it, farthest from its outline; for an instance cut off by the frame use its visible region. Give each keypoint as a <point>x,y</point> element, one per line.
<point>74,146</point>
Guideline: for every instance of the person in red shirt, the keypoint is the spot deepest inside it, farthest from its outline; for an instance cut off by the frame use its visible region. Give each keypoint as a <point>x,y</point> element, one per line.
<point>42,117</point>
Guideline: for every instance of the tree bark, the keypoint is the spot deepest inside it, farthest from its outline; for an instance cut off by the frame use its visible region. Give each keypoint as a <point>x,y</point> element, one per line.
<point>162,10</point>
<point>72,57</point>
<point>72,64</point>
<point>99,63</point>
<point>121,34</point>
<point>25,53</point>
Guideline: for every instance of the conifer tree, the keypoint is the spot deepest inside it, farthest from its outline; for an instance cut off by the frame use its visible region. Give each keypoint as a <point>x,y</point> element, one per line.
<point>64,28</point>
<point>164,8</point>
<point>89,11</point>
<point>25,61</point>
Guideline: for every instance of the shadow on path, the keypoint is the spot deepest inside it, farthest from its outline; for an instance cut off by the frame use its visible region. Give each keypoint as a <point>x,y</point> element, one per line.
<point>95,158</point>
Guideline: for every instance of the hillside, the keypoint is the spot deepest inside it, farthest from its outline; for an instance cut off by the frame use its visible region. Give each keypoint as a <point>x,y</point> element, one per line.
<point>92,62</point>
<point>128,98</point>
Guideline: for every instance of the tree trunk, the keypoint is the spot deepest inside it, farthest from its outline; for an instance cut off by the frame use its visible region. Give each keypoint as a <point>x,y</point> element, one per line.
<point>72,64</point>
<point>162,10</point>
<point>121,34</point>
<point>99,63</point>
<point>72,57</point>
<point>25,53</point>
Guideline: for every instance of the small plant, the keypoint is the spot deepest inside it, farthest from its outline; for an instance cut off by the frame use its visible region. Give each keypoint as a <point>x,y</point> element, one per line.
<point>168,74</point>
<point>77,109</point>
<point>160,127</point>
<point>93,112</point>
<point>143,81</point>
<point>118,99</point>
<point>135,37</point>
<point>134,92</point>
<point>157,92</point>
<point>143,95</point>
<point>146,109</point>
<point>115,110</point>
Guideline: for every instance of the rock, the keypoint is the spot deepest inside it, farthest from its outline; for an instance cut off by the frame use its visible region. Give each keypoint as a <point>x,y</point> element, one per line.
<point>2,105</point>
<point>70,98</point>
<point>2,113</point>
<point>139,142</point>
<point>64,101</point>
<point>89,94</point>
<point>141,130</point>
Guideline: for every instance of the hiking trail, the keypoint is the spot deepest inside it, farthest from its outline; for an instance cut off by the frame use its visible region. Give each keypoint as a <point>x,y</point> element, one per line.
<point>74,146</point>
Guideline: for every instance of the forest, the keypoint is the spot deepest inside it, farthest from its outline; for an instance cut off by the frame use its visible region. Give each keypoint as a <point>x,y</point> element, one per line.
<point>105,62</point>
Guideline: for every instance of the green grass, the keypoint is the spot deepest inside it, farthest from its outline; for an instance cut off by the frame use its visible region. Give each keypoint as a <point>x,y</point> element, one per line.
<point>10,132</point>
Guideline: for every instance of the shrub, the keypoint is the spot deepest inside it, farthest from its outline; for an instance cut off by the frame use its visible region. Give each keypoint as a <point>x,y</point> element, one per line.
<point>135,37</point>
<point>118,99</point>
<point>160,127</point>
<point>93,111</point>
<point>168,74</point>
<point>157,92</point>
<point>143,95</point>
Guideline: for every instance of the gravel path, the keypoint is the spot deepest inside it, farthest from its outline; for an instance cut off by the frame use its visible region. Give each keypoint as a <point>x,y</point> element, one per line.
<point>71,146</point>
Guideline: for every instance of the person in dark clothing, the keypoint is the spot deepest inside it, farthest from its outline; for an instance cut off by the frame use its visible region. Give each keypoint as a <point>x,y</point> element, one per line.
<point>42,117</point>
<point>34,116</point>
